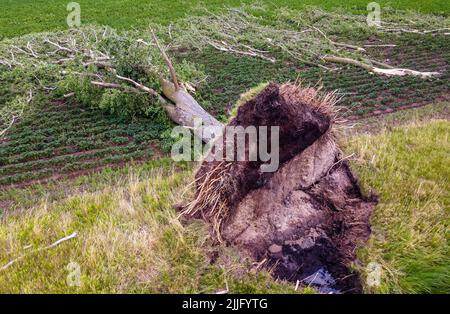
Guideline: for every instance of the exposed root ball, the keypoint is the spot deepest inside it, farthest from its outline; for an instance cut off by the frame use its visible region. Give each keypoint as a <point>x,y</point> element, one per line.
<point>308,216</point>
<point>302,116</point>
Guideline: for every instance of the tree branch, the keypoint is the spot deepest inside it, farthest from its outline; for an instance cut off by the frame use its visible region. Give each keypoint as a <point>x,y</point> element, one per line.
<point>167,60</point>
<point>142,87</point>
<point>73,235</point>
<point>391,71</point>
<point>115,86</point>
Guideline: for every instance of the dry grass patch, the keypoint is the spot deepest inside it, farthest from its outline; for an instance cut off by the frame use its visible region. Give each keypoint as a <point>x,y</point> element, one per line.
<point>129,240</point>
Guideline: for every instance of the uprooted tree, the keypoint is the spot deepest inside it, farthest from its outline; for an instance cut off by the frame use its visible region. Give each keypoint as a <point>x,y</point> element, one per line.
<point>305,219</point>
<point>48,63</point>
<point>308,215</point>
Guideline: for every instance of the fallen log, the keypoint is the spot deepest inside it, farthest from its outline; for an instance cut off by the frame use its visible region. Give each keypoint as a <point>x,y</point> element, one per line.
<point>389,71</point>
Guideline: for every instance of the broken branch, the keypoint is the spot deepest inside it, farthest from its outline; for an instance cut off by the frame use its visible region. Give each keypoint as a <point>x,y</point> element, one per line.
<point>115,86</point>
<point>73,235</point>
<point>167,60</point>
<point>391,71</point>
<point>339,44</point>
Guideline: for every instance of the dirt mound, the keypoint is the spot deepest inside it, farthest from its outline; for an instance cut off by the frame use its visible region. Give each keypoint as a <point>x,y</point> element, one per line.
<point>307,218</point>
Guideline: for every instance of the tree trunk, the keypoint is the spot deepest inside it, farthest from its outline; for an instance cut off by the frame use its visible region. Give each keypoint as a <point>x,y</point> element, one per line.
<point>186,110</point>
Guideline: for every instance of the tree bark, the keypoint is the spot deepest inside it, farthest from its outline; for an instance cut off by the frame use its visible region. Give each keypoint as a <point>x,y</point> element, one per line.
<point>186,110</point>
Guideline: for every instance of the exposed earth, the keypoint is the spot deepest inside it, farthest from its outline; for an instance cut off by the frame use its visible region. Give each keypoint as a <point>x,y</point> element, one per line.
<point>307,218</point>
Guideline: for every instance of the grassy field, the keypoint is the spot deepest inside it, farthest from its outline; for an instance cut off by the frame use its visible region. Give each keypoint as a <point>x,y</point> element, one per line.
<point>129,241</point>
<point>409,227</point>
<point>408,168</point>
<point>20,17</point>
<point>49,142</point>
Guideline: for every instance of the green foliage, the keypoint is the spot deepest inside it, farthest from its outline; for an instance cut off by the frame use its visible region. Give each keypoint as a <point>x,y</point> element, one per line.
<point>121,104</point>
<point>85,93</point>
<point>20,88</point>
<point>70,60</point>
<point>12,110</point>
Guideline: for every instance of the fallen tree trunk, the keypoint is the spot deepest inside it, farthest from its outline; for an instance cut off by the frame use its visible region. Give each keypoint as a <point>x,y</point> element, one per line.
<point>180,106</point>
<point>186,110</point>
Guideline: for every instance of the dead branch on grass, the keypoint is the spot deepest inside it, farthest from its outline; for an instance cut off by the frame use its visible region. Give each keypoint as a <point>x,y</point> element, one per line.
<point>54,244</point>
<point>390,71</point>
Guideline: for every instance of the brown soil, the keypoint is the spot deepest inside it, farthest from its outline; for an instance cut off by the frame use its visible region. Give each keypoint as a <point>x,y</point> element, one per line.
<point>307,217</point>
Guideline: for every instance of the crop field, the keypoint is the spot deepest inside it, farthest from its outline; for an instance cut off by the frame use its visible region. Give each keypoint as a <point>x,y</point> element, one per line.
<point>19,17</point>
<point>362,93</point>
<point>65,139</point>
<point>71,140</point>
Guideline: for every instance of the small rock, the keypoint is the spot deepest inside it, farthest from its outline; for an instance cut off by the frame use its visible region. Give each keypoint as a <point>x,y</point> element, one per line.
<point>275,249</point>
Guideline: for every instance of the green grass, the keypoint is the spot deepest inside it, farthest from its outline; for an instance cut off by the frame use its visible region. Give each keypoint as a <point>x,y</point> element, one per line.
<point>20,17</point>
<point>408,168</point>
<point>130,240</point>
<point>20,199</point>
<point>382,123</point>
